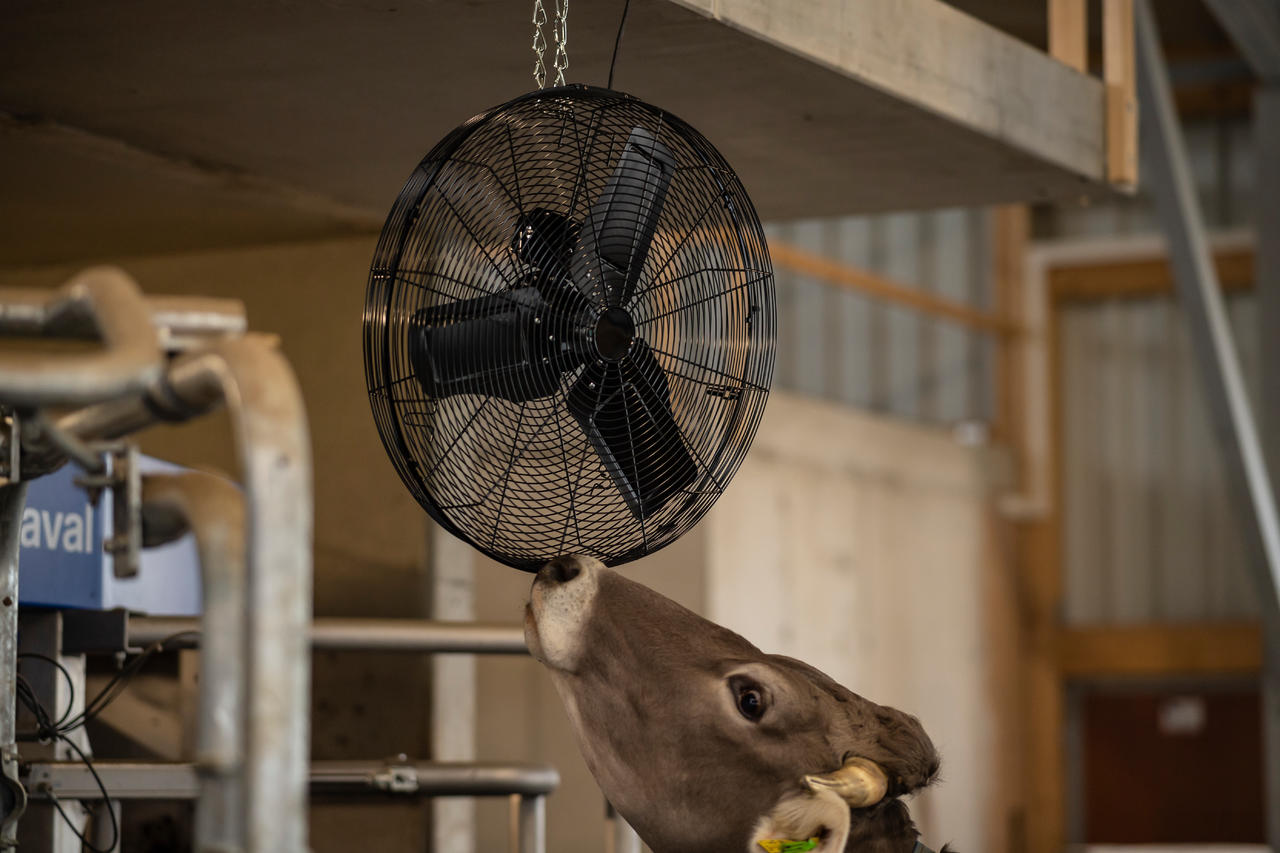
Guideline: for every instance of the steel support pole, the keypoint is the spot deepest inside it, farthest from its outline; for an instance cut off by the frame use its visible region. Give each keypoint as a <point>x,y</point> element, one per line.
<point>528,823</point>
<point>268,417</point>
<point>1229,408</point>
<point>1201,298</point>
<point>1266,120</point>
<point>13,499</point>
<point>213,508</point>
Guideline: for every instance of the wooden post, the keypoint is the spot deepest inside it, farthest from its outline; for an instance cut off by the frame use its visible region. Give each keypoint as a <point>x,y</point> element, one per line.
<point>1069,33</point>
<point>1011,230</point>
<point>1043,827</point>
<point>1119,73</point>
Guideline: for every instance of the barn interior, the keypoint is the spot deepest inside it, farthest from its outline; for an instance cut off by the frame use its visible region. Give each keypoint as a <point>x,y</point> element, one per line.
<point>1015,476</point>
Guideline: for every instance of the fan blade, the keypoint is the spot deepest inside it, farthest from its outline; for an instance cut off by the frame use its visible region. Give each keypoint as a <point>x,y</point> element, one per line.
<point>618,230</point>
<point>625,411</point>
<point>504,345</point>
<point>544,240</point>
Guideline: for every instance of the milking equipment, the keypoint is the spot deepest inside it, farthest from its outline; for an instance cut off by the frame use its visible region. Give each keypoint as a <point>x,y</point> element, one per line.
<point>104,535</point>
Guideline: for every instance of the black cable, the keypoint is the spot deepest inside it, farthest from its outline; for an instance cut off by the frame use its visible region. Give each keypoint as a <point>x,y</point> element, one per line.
<point>118,683</point>
<point>617,41</point>
<point>47,730</point>
<point>71,684</point>
<point>106,800</point>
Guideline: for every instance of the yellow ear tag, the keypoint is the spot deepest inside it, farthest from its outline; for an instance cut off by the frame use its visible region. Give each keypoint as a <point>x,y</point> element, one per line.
<point>781,845</point>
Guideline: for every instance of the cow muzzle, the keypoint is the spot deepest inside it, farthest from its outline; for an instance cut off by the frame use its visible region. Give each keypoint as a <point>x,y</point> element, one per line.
<point>560,605</point>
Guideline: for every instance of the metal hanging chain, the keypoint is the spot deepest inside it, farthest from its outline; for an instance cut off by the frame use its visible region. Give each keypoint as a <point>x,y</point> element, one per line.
<point>539,44</point>
<point>562,40</point>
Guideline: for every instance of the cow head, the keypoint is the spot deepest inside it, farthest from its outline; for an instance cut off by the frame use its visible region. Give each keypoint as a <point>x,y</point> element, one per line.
<point>704,743</point>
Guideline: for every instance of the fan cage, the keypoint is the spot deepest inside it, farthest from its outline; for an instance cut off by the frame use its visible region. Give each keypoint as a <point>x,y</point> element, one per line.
<point>517,477</point>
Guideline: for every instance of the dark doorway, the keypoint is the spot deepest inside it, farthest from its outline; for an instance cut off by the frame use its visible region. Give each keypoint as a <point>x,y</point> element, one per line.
<point>1166,766</point>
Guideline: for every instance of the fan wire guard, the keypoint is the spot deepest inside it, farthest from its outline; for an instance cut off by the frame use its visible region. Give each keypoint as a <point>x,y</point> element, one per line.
<point>527,446</point>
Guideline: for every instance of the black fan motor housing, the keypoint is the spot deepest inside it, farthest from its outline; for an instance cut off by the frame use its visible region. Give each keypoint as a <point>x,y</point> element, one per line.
<point>569,328</point>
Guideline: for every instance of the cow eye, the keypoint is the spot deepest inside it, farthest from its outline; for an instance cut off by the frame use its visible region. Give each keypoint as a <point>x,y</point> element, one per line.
<point>750,703</point>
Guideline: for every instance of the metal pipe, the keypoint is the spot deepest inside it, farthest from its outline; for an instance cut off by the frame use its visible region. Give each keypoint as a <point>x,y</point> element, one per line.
<point>131,780</point>
<point>183,321</point>
<point>269,422</point>
<point>373,635</point>
<point>100,302</point>
<point>433,778</point>
<point>12,797</point>
<point>24,312</point>
<point>213,508</point>
<point>530,824</point>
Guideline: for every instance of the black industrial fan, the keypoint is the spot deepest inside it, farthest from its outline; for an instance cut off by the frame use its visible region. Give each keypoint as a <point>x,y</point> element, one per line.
<point>569,328</point>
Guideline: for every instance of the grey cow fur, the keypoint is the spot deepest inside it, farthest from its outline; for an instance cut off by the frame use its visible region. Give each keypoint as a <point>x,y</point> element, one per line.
<point>651,698</point>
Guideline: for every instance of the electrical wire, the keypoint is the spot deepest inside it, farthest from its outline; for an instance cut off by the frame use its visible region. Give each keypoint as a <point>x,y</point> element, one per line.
<point>71,683</point>
<point>617,41</point>
<point>106,800</point>
<point>119,682</point>
<point>49,729</point>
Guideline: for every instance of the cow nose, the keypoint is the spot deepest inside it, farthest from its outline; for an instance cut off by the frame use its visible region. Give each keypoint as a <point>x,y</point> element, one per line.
<point>563,569</point>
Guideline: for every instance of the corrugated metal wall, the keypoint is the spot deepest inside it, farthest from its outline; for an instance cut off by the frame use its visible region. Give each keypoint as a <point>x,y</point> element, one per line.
<point>845,347</point>
<point>1149,533</point>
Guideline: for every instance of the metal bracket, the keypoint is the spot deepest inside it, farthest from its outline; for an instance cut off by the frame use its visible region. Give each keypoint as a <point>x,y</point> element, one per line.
<point>13,797</point>
<point>397,778</point>
<point>124,478</point>
<point>11,441</point>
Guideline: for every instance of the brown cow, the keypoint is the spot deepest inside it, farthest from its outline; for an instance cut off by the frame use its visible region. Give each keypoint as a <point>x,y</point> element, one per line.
<point>707,745</point>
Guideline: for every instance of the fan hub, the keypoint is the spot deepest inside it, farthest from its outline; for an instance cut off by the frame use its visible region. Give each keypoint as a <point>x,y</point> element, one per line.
<point>615,330</point>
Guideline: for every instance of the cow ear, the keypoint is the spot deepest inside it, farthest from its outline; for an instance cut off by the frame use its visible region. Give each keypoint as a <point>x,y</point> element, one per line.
<point>798,817</point>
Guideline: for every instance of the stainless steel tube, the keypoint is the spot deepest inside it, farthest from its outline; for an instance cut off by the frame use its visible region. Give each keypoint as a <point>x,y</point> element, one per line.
<point>435,779</point>
<point>269,422</point>
<point>100,302</point>
<point>389,635</point>
<point>129,780</point>
<point>12,798</point>
<point>185,320</point>
<point>528,824</point>
<point>213,508</point>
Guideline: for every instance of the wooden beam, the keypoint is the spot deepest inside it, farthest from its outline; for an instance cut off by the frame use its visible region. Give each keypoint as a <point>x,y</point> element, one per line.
<point>885,289</point>
<point>1045,692</point>
<point>1119,73</point>
<point>1161,650</point>
<point>1140,279</point>
<point>941,60</point>
<point>1069,33</point>
<point>1011,233</point>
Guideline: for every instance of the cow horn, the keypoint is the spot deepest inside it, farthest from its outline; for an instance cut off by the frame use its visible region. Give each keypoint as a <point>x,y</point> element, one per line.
<point>860,782</point>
